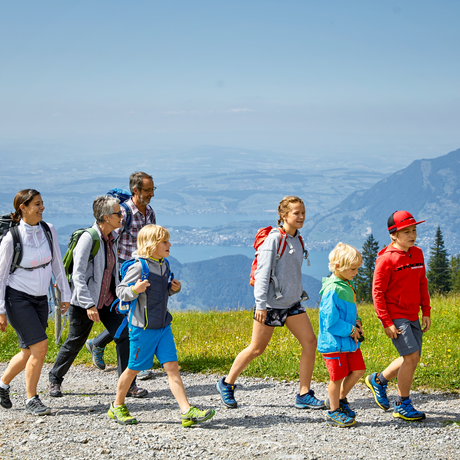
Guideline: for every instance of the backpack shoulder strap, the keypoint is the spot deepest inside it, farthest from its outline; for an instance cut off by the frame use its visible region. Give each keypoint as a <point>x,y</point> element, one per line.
<point>48,235</point>
<point>17,247</point>
<point>129,217</point>
<point>96,242</point>
<point>283,242</point>
<point>145,269</point>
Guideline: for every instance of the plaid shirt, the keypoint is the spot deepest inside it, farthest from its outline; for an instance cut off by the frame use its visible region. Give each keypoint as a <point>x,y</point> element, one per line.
<point>107,296</point>
<point>128,241</point>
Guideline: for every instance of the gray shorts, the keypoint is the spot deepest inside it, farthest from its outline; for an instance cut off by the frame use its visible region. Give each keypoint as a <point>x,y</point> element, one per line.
<point>411,338</point>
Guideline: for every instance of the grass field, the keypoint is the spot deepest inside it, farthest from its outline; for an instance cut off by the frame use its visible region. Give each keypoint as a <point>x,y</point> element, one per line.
<point>209,342</point>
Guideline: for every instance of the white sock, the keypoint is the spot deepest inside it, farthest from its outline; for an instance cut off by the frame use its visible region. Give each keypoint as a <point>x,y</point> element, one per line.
<point>30,399</point>
<point>2,385</point>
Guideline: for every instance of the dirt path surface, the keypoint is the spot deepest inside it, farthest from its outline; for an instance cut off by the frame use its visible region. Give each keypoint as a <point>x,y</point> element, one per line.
<point>266,424</point>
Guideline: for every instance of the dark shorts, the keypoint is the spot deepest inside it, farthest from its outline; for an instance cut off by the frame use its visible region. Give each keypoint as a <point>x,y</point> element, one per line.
<point>28,315</point>
<point>339,365</point>
<point>276,317</point>
<point>411,338</point>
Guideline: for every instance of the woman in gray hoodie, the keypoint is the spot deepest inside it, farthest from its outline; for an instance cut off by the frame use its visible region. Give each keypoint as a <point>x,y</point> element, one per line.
<point>278,292</point>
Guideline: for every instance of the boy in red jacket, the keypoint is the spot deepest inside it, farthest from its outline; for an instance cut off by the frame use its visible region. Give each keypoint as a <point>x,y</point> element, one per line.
<point>400,288</point>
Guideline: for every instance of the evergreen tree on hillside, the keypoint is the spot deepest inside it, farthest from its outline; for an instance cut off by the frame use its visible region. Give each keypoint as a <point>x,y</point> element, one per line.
<point>365,276</point>
<point>455,273</point>
<point>439,273</point>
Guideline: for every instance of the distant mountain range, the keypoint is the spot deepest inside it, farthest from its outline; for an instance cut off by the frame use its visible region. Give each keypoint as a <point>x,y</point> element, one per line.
<point>429,189</point>
<point>223,284</point>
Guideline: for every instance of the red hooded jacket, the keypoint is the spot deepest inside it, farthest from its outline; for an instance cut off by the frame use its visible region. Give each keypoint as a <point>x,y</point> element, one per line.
<point>400,286</point>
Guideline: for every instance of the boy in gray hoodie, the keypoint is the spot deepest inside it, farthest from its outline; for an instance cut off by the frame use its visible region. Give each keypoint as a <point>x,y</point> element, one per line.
<point>150,325</point>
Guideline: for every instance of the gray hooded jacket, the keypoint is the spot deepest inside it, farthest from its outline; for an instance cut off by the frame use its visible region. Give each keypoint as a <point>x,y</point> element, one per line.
<point>151,311</point>
<point>288,271</point>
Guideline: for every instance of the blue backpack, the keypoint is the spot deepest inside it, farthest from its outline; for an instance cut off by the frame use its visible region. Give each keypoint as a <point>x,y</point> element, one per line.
<point>123,195</point>
<point>127,308</point>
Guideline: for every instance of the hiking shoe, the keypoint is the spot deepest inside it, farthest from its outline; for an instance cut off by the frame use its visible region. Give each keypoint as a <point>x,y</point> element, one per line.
<point>136,392</point>
<point>36,407</point>
<point>145,375</point>
<point>309,401</point>
<point>97,354</point>
<point>121,414</point>
<point>5,400</point>
<point>338,418</point>
<point>226,393</point>
<point>406,411</point>
<point>195,415</point>
<point>54,390</point>
<point>379,391</point>
<point>344,407</point>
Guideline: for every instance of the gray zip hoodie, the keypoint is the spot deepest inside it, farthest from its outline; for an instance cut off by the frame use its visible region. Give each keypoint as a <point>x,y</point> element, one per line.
<point>288,271</point>
<point>151,311</point>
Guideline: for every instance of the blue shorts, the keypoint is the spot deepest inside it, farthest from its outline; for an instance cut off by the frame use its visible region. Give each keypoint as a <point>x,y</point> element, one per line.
<point>144,344</point>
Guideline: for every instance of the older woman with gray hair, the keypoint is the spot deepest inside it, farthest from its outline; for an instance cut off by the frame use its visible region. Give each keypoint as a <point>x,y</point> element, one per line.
<point>93,292</point>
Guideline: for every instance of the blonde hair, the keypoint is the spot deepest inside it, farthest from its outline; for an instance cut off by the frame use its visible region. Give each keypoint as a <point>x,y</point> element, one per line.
<point>149,238</point>
<point>285,206</point>
<point>345,256</point>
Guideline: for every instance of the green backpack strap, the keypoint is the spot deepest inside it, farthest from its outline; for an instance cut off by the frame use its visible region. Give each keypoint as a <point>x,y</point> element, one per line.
<point>67,260</point>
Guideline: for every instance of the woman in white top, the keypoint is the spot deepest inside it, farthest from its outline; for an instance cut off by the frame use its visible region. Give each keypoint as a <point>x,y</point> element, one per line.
<point>23,294</point>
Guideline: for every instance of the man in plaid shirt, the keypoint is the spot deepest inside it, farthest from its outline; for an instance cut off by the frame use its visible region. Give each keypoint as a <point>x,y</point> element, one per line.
<point>141,214</point>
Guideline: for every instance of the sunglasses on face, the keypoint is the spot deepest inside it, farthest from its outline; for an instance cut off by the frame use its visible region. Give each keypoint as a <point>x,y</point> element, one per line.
<point>119,213</point>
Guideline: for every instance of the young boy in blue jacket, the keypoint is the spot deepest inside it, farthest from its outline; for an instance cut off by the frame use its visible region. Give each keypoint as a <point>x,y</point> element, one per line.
<point>339,331</point>
<point>150,325</point>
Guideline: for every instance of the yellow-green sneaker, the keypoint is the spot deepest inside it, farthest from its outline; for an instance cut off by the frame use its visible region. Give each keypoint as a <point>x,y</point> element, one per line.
<point>121,414</point>
<point>195,415</point>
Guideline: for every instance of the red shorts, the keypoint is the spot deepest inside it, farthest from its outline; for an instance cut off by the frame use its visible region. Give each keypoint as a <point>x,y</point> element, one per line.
<point>339,365</point>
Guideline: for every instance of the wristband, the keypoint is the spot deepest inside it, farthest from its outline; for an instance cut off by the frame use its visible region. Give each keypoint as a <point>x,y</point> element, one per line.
<point>352,331</point>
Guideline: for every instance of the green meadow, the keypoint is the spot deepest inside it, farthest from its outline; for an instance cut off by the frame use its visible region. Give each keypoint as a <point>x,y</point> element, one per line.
<point>208,342</point>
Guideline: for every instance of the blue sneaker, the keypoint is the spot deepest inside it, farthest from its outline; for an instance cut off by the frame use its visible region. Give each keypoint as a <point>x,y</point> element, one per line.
<point>406,411</point>
<point>344,407</point>
<point>97,354</point>
<point>145,375</point>
<point>226,393</point>
<point>309,401</point>
<point>379,391</point>
<point>338,418</point>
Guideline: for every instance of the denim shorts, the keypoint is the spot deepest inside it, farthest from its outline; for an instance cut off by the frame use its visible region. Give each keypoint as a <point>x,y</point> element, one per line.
<point>28,315</point>
<point>276,317</point>
<point>411,338</point>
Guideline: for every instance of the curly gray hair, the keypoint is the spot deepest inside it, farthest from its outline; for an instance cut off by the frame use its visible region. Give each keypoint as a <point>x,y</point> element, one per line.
<point>104,206</point>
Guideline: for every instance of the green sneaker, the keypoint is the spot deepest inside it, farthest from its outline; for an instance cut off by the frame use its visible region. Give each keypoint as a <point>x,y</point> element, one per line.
<point>195,415</point>
<point>121,415</point>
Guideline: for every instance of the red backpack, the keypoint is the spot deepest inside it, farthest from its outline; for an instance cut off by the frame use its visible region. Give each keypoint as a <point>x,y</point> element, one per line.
<point>260,237</point>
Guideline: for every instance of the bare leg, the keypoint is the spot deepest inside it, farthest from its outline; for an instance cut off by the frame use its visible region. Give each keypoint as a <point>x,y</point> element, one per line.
<point>333,392</point>
<point>392,370</point>
<point>124,382</point>
<point>406,373</point>
<point>302,330</point>
<point>261,335</point>
<point>16,365</point>
<point>176,385</point>
<point>34,366</point>
<point>349,382</point>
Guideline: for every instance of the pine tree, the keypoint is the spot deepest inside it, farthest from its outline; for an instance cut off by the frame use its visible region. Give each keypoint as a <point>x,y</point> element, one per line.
<point>365,276</point>
<point>439,273</point>
<point>455,273</point>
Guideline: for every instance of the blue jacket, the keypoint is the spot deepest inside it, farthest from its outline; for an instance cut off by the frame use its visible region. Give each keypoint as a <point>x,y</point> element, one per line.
<point>337,315</point>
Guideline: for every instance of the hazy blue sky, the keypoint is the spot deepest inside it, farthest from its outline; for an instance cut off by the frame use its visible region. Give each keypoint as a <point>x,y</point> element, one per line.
<point>352,76</point>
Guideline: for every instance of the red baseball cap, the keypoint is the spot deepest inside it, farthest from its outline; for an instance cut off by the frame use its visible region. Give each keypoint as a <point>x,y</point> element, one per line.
<point>401,219</point>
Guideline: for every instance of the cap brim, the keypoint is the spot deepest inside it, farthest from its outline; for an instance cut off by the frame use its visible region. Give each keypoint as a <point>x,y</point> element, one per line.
<point>408,225</point>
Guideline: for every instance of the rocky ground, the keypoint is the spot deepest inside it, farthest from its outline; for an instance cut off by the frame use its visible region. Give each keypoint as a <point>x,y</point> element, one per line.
<point>266,424</point>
